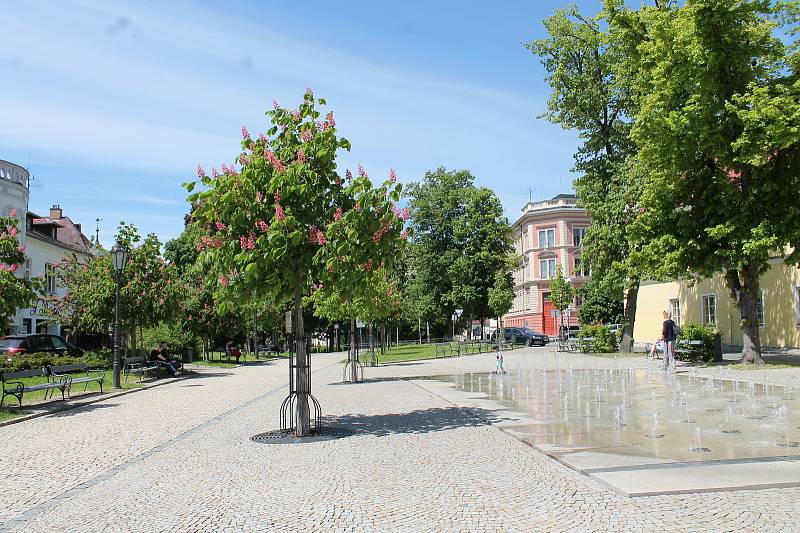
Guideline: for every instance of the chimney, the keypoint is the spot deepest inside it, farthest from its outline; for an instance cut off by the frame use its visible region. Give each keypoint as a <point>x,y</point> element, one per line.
<point>55,212</point>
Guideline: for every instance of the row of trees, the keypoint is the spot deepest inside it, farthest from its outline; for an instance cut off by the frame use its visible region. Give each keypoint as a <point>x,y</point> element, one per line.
<point>688,118</point>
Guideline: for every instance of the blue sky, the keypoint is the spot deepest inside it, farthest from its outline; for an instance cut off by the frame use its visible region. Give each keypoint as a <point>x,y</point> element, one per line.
<point>115,103</point>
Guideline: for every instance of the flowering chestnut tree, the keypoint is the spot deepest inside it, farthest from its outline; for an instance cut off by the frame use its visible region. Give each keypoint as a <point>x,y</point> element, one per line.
<point>281,217</point>
<point>15,291</point>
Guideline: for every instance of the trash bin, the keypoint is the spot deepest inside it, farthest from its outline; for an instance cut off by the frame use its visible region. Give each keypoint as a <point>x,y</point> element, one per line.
<point>188,355</point>
<point>717,347</point>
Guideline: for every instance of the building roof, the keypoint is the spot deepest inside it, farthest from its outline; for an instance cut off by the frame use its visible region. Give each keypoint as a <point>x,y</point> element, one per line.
<point>68,233</point>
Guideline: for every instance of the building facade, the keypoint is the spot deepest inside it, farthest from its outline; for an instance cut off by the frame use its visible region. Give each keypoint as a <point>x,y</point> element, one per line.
<point>708,301</point>
<point>47,240</point>
<point>549,233</point>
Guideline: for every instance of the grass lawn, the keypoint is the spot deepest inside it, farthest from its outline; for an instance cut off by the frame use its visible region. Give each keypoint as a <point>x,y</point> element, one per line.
<point>765,366</point>
<point>218,359</point>
<point>8,414</point>
<point>408,352</point>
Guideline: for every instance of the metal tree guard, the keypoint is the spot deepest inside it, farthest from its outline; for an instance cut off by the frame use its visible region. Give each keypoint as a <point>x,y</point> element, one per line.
<point>287,412</point>
<point>353,371</point>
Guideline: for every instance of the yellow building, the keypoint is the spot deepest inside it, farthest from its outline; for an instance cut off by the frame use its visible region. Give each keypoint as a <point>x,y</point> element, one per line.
<point>709,302</point>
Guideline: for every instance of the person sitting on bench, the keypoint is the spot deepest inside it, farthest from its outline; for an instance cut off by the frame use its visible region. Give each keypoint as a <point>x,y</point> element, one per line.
<point>161,356</point>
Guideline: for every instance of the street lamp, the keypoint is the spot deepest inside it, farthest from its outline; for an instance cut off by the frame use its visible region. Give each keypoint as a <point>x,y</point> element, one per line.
<point>119,257</point>
<point>456,315</point>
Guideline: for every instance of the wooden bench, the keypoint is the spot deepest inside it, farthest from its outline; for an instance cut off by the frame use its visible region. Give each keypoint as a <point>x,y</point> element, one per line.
<point>84,375</point>
<point>139,365</point>
<point>586,344</point>
<point>12,386</point>
<point>690,348</point>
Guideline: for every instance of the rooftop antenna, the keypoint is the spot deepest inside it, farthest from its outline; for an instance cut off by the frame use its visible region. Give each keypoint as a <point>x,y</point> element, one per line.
<point>97,231</point>
<point>530,194</point>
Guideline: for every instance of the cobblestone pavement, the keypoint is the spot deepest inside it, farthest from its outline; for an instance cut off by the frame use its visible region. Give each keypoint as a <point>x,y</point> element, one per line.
<point>179,458</point>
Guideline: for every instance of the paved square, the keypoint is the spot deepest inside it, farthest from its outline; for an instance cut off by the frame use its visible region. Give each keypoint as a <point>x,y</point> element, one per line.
<point>179,458</point>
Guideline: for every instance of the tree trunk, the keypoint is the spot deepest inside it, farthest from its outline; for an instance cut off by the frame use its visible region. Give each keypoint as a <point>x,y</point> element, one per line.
<point>353,352</point>
<point>483,335</point>
<point>302,415</point>
<point>746,292</point>
<point>631,296</point>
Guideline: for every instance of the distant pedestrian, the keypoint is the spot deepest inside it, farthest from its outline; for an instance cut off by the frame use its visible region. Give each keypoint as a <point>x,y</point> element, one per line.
<point>498,365</point>
<point>668,335</point>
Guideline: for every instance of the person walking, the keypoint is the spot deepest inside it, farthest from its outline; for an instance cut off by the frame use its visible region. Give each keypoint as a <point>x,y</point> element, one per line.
<point>668,336</point>
<point>498,366</point>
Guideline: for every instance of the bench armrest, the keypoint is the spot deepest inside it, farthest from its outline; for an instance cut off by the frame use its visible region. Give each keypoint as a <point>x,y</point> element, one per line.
<point>19,384</point>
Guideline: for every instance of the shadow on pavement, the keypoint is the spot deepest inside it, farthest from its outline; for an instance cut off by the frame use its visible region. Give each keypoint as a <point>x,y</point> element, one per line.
<point>420,421</point>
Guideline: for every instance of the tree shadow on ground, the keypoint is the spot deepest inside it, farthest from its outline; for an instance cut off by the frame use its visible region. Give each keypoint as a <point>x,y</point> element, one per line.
<point>69,410</point>
<point>420,421</point>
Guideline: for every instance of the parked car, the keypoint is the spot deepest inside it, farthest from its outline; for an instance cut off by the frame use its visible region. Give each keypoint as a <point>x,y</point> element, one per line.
<point>522,336</point>
<point>35,343</point>
<point>570,332</point>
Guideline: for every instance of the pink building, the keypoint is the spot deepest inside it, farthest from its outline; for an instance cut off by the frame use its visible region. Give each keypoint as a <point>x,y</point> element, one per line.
<point>548,233</point>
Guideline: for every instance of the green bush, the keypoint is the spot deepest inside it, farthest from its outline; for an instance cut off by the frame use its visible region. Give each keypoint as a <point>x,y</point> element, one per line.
<point>34,361</point>
<point>101,359</point>
<point>604,340</point>
<point>177,340</point>
<point>697,332</point>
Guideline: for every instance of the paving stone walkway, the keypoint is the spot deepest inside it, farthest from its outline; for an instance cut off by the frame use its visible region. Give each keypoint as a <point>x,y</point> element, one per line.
<point>179,458</point>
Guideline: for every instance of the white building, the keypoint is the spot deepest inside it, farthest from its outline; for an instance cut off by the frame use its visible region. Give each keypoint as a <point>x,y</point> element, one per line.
<point>47,241</point>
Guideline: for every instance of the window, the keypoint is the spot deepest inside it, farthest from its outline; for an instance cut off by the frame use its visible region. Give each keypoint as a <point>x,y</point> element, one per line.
<point>577,235</point>
<point>27,269</point>
<point>547,238</point>
<point>27,325</point>
<point>675,309</point>
<point>49,279</point>
<point>577,300</point>
<point>709,309</point>
<point>760,310</point>
<point>580,269</point>
<point>547,268</point>
<point>524,240</point>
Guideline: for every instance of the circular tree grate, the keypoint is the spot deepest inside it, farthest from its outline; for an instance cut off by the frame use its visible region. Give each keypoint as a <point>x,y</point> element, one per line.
<point>285,437</point>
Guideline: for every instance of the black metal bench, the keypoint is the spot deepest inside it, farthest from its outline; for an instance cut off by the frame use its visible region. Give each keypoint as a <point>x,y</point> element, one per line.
<point>139,365</point>
<point>689,348</point>
<point>70,372</point>
<point>12,386</point>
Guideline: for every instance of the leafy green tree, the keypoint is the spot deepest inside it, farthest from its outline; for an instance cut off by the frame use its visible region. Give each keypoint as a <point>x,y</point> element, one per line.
<point>286,219</point>
<point>15,291</point>
<point>580,59</point>
<point>717,102</point>
<point>561,293</point>
<point>461,241</point>
<point>600,304</point>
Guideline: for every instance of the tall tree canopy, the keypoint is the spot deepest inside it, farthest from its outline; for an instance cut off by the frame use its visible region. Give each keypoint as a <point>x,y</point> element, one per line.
<point>285,219</point>
<point>15,290</point>
<point>580,60</point>
<point>461,241</point>
<point>717,99</point>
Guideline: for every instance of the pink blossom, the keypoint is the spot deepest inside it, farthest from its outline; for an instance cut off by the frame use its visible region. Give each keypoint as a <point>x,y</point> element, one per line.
<point>279,214</point>
<point>338,180</point>
<point>161,301</point>
<point>245,133</point>
<point>13,213</point>
<point>214,172</point>
<point>361,172</point>
<point>406,213</point>
<point>337,216</point>
<point>368,265</point>
<point>13,231</point>
<point>296,115</point>
<point>404,234</point>
<point>275,104</point>
<point>247,243</point>
<point>392,175</point>
<point>309,91</point>
<point>13,267</point>
<point>330,120</point>
<point>217,243</point>
<point>301,156</point>
<point>348,174</point>
<point>200,172</point>
<point>306,136</point>
<point>316,236</point>
<point>21,248</point>
<point>262,137</point>
<point>220,226</point>
<point>199,246</point>
<point>277,197</point>
<point>259,197</point>
<point>243,159</point>
<point>223,280</point>
<point>263,226</point>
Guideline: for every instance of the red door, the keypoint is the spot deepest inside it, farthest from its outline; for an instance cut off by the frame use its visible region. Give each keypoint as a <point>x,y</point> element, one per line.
<point>547,315</point>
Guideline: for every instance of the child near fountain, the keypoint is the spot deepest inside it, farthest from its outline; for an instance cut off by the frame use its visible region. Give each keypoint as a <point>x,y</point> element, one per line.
<point>498,366</point>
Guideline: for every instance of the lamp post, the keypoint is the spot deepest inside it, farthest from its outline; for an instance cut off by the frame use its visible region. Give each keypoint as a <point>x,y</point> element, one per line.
<point>456,315</point>
<point>119,257</point>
